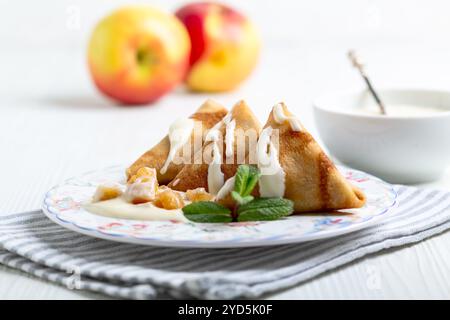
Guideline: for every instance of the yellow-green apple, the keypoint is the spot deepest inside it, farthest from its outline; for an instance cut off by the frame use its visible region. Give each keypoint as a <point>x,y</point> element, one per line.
<point>138,53</point>
<point>225,46</point>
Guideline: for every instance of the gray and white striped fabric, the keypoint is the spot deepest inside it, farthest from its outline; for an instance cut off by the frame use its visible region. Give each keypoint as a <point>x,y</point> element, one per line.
<point>32,243</point>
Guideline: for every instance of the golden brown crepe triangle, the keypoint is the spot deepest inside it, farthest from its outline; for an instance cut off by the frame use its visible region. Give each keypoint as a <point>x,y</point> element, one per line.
<point>209,113</point>
<point>194,176</point>
<point>312,181</point>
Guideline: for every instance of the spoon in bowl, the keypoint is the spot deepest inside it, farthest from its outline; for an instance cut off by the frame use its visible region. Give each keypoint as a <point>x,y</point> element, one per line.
<point>356,62</point>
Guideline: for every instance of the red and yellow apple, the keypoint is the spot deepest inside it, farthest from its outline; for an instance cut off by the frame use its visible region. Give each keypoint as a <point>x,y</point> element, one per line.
<point>225,46</point>
<point>138,53</point>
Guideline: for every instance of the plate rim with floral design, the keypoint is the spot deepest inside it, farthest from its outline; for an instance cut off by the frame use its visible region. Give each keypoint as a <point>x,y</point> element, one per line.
<point>63,205</point>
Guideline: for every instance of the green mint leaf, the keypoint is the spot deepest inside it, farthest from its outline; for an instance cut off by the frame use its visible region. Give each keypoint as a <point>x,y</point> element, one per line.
<point>239,199</point>
<point>207,212</point>
<point>209,218</point>
<point>236,197</point>
<point>263,209</point>
<point>246,179</point>
<point>205,207</point>
<point>251,183</point>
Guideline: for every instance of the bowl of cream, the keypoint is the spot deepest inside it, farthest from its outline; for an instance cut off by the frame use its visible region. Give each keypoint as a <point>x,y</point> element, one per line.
<point>410,144</point>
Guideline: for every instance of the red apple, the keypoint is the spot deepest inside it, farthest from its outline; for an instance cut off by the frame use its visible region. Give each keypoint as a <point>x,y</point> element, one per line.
<point>138,53</point>
<point>225,46</point>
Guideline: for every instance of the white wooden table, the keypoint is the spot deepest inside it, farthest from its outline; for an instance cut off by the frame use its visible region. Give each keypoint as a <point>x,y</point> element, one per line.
<point>54,124</point>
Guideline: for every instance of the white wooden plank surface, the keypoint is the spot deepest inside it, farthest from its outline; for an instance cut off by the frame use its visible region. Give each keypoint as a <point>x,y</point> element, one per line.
<point>54,125</point>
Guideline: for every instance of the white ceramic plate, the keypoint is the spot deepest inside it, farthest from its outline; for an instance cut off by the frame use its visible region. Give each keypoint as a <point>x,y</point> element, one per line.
<point>63,205</point>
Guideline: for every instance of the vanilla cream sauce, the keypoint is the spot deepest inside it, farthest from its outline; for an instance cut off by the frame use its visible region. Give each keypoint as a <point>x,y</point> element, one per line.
<point>120,208</point>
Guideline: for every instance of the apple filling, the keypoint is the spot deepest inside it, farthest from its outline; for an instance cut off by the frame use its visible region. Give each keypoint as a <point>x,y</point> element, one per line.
<point>107,192</point>
<point>143,189</point>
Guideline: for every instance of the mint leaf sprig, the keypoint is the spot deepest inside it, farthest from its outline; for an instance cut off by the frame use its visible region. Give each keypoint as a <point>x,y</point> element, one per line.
<point>246,207</point>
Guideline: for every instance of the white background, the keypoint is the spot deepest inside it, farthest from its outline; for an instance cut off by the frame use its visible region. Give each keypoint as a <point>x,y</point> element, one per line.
<point>54,124</point>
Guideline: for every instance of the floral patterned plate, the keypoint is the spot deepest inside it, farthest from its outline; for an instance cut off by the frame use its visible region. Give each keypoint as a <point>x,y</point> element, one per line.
<point>63,205</point>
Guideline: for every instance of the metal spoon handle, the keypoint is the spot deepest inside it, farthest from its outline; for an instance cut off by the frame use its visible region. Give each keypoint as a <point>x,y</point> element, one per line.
<point>356,62</point>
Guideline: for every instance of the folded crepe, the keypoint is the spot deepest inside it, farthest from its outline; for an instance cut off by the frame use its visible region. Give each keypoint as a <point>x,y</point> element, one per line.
<point>208,115</point>
<point>198,175</point>
<point>311,179</point>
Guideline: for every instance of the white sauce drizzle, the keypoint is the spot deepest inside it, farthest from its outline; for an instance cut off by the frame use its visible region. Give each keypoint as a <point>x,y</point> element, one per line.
<point>280,117</point>
<point>229,138</point>
<point>226,189</point>
<point>272,180</point>
<point>215,174</point>
<point>179,133</point>
<point>120,208</point>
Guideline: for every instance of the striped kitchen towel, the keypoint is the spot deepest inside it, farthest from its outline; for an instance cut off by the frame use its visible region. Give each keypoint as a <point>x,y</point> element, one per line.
<point>32,243</point>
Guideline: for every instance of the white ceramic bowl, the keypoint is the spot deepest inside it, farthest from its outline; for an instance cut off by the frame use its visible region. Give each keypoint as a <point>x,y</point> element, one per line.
<point>396,148</point>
